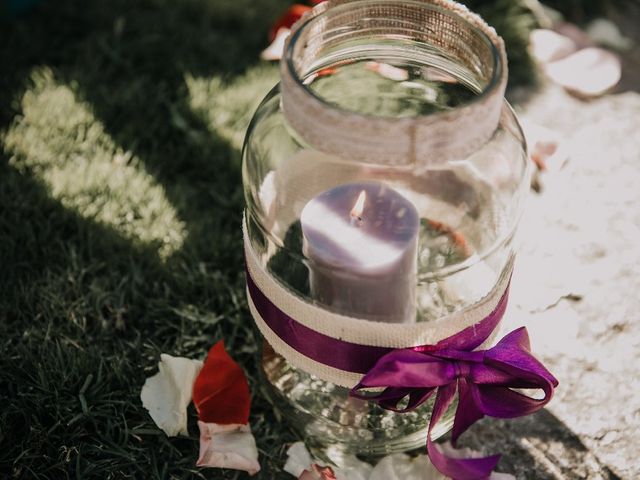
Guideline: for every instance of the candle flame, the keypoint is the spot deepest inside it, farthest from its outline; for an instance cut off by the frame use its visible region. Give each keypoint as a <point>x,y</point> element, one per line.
<point>358,208</point>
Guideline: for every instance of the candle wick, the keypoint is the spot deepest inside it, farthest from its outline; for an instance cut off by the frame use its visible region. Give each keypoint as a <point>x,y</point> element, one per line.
<point>356,220</point>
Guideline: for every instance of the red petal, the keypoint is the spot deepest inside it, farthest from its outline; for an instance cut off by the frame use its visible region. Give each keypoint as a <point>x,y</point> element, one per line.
<point>291,16</point>
<point>221,392</point>
<point>317,473</point>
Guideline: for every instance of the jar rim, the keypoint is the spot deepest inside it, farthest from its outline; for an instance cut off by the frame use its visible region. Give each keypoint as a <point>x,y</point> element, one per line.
<point>308,20</point>
<point>449,29</point>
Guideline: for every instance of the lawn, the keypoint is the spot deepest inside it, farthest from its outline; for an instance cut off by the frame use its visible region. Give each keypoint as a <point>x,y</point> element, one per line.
<point>120,207</point>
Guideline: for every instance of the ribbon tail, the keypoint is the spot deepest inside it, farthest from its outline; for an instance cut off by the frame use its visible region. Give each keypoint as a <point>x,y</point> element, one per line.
<point>467,412</point>
<point>455,468</point>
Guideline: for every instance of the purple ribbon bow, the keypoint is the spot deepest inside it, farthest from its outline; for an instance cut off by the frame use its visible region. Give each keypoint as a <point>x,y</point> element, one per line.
<point>484,380</point>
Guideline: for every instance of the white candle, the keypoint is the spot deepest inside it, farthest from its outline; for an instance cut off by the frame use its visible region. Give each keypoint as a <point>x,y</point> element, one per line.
<point>361,242</point>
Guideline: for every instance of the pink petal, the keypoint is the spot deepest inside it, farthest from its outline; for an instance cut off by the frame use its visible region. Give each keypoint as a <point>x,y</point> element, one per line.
<point>547,45</point>
<point>317,472</point>
<point>228,446</point>
<point>388,71</point>
<point>575,33</point>
<point>546,147</point>
<point>588,73</point>
<point>275,50</point>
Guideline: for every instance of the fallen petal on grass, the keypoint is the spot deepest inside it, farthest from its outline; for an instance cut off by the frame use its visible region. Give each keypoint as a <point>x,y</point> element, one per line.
<point>167,394</point>
<point>288,18</point>
<point>400,466</point>
<point>228,446</point>
<point>604,32</point>
<point>317,472</point>
<point>275,50</point>
<point>547,46</point>
<point>221,392</point>
<point>298,459</point>
<point>588,73</point>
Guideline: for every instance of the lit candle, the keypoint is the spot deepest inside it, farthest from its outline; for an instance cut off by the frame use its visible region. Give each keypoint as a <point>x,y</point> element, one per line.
<point>361,242</point>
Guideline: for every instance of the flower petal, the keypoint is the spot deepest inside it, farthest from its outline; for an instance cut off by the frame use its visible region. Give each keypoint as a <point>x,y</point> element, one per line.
<point>348,467</point>
<point>276,48</point>
<point>298,459</point>
<point>228,446</point>
<point>587,73</point>
<point>288,18</point>
<point>221,393</point>
<point>167,394</point>
<point>317,472</point>
<point>547,45</point>
<point>399,466</point>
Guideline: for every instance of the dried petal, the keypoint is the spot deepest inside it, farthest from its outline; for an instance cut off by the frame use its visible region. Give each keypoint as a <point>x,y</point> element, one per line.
<point>348,467</point>
<point>275,50</point>
<point>399,466</point>
<point>317,472</point>
<point>388,71</point>
<point>604,32</point>
<point>228,446</point>
<point>589,72</point>
<point>167,394</point>
<point>575,33</point>
<point>288,18</point>
<point>221,393</point>
<point>547,45</point>
<point>298,459</point>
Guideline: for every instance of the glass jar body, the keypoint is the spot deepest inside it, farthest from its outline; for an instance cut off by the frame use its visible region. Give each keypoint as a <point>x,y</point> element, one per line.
<point>468,207</point>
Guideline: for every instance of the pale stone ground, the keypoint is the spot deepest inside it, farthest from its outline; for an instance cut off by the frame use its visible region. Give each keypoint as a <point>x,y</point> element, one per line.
<point>577,289</point>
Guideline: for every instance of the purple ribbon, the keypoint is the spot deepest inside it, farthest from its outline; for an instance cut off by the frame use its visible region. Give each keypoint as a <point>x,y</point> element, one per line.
<point>484,379</point>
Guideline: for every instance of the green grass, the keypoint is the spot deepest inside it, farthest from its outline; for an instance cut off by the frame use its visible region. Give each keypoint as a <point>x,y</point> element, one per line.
<point>120,210</point>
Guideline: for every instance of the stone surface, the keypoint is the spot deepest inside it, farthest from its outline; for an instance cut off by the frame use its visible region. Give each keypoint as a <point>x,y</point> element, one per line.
<point>576,288</point>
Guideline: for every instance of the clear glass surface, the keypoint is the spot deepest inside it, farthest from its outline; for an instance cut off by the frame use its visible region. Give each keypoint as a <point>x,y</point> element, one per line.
<point>468,209</point>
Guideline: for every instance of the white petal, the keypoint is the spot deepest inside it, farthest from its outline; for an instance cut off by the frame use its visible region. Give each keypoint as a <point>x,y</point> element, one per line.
<point>547,45</point>
<point>275,50</point>
<point>388,71</point>
<point>228,446</point>
<point>399,466</point>
<point>167,394</point>
<point>604,32</point>
<point>348,467</point>
<point>589,72</point>
<point>298,459</point>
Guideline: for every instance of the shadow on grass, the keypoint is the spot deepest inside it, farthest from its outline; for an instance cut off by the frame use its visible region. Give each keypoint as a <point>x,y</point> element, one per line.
<point>84,310</point>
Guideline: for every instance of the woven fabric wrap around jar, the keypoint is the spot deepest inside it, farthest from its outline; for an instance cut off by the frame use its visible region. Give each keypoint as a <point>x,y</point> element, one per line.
<point>427,140</point>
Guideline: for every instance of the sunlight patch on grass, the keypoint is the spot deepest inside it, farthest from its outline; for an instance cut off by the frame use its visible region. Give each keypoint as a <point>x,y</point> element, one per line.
<point>60,142</point>
<point>227,107</point>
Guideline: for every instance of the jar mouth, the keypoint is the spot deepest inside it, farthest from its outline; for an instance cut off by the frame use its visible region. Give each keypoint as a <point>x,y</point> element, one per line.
<point>322,33</point>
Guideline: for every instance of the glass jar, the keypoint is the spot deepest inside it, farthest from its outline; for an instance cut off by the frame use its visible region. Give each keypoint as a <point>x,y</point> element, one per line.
<point>402,97</point>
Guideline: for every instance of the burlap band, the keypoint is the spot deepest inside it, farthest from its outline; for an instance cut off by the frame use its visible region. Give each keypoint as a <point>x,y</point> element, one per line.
<point>356,330</point>
<point>421,140</point>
